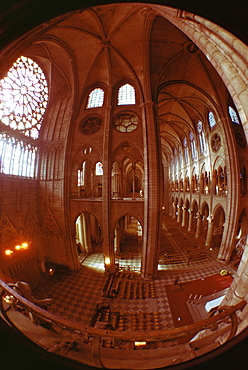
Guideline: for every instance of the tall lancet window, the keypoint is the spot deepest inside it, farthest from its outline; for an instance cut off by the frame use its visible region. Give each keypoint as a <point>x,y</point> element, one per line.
<point>192,145</point>
<point>186,150</point>
<point>126,95</point>
<point>99,169</point>
<point>211,119</point>
<point>95,98</point>
<point>202,139</point>
<point>233,115</point>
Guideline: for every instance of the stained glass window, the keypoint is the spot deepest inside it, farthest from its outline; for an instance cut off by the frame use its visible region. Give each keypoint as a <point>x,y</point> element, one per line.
<point>24,97</point>
<point>180,158</point>
<point>211,119</point>
<point>126,122</point>
<point>99,168</point>
<point>186,150</point>
<point>17,157</point>
<point>90,125</point>
<point>202,140</point>
<point>81,175</point>
<point>126,95</point>
<point>233,115</point>
<point>192,145</point>
<point>96,98</point>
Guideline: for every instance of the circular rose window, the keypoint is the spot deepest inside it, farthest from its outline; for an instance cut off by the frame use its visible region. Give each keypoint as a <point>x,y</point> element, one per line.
<point>126,122</point>
<point>24,97</point>
<point>216,142</point>
<point>90,125</point>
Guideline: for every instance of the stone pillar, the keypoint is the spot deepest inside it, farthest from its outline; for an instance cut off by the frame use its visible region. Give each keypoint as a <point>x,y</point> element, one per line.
<point>210,231</point>
<point>121,181</point>
<point>190,220</point>
<point>115,180</point>
<point>198,226</point>
<point>117,239</point>
<point>184,216</point>
<point>133,180</point>
<point>108,244</point>
<point>179,214</point>
<point>87,232</point>
<point>152,192</point>
<point>239,287</point>
<point>81,236</point>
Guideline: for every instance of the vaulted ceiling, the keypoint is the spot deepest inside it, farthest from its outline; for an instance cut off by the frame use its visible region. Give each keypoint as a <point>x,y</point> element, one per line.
<point>136,42</point>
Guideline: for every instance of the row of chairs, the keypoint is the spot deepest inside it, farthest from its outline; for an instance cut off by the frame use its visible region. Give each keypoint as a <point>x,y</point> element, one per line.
<point>145,321</point>
<point>134,289</point>
<point>104,318</point>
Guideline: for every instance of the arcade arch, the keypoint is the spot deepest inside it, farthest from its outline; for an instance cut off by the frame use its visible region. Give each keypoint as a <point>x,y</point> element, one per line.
<point>128,238</point>
<point>88,234</point>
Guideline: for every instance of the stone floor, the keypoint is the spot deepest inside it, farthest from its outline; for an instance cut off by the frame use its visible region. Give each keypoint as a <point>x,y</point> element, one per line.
<point>75,296</point>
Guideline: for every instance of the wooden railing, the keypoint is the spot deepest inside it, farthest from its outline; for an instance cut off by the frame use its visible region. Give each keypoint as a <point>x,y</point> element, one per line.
<point>96,337</point>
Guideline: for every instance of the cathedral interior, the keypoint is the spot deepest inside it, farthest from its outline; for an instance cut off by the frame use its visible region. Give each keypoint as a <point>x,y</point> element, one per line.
<point>123,177</point>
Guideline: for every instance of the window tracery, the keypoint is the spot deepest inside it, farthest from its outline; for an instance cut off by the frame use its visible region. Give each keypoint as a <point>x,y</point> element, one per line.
<point>233,115</point>
<point>126,95</point>
<point>126,122</point>
<point>216,142</point>
<point>95,98</point>
<point>99,169</point>
<point>17,157</point>
<point>24,97</point>
<point>211,119</point>
<point>192,145</point>
<point>202,139</point>
<point>186,150</point>
<point>90,125</point>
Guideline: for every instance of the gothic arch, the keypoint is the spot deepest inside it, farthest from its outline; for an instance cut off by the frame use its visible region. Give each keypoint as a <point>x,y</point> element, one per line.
<point>88,233</point>
<point>219,223</point>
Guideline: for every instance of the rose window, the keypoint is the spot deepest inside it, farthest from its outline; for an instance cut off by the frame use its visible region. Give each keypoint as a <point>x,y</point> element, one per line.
<point>24,97</point>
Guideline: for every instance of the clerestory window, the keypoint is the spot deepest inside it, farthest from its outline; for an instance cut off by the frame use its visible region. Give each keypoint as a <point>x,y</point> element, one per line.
<point>186,150</point>
<point>126,95</point>
<point>211,119</point>
<point>233,115</point>
<point>95,98</point>
<point>192,145</point>
<point>202,139</point>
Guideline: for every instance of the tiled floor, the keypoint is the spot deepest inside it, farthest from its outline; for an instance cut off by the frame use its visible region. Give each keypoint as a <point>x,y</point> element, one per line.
<point>76,295</point>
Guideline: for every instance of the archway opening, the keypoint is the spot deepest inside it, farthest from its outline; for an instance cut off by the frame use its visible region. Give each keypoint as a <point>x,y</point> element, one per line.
<point>88,237</point>
<point>128,243</point>
<point>219,223</point>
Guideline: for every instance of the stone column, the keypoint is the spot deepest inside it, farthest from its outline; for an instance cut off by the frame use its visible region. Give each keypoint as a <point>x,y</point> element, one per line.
<point>210,231</point>
<point>108,244</point>
<point>117,239</point>
<point>115,176</point>
<point>184,216</point>
<point>173,210</point>
<point>179,214</point>
<point>198,226</point>
<point>133,180</point>
<point>190,220</point>
<point>152,192</point>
